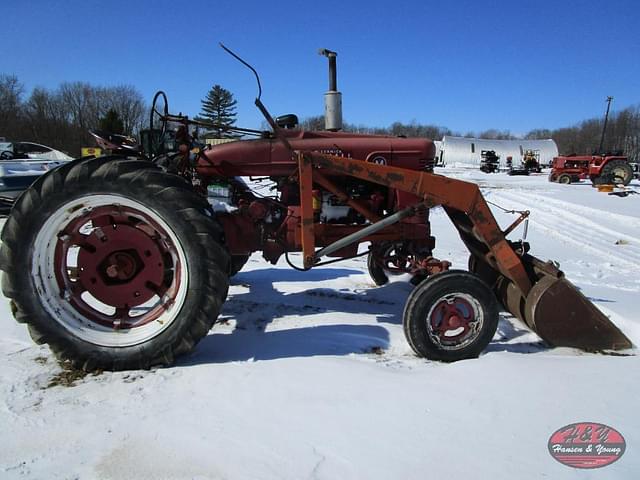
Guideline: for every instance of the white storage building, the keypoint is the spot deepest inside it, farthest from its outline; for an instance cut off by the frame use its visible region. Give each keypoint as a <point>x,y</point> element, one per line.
<point>468,151</point>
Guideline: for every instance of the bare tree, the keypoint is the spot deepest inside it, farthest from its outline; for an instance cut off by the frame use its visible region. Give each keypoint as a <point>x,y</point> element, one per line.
<point>538,134</point>
<point>314,123</point>
<point>494,134</point>
<point>128,103</point>
<point>11,91</point>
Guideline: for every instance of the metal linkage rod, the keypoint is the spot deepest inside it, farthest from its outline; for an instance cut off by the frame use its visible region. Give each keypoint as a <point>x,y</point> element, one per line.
<point>356,236</point>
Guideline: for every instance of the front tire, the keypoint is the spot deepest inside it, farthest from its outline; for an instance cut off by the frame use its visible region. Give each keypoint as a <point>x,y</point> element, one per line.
<point>114,264</point>
<point>376,272</point>
<point>387,259</point>
<point>565,179</point>
<point>451,316</point>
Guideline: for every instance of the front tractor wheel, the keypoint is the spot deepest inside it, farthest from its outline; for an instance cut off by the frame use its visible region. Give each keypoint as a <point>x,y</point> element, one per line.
<point>114,263</point>
<point>376,272</point>
<point>450,316</point>
<point>565,179</point>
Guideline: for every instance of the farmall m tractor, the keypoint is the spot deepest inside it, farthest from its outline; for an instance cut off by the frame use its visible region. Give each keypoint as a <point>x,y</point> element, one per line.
<point>119,262</point>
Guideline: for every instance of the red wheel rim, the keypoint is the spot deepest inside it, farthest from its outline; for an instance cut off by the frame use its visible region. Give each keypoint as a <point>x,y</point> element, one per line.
<point>455,320</point>
<point>117,266</point>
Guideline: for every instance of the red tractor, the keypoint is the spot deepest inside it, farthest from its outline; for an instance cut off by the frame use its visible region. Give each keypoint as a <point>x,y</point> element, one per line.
<point>120,262</point>
<point>600,169</point>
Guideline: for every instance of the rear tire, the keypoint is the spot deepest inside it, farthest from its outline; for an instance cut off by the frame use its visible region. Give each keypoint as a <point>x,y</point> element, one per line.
<point>617,171</point>
<point>451,316</point>
<point>114,264</point>
<point>237,262</point>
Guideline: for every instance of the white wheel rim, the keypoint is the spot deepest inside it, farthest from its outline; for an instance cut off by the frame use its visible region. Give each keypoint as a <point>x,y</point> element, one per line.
<point>67,315</point>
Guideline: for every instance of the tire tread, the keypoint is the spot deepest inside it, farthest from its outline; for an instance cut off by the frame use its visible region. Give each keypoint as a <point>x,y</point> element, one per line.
<point>213,260</point>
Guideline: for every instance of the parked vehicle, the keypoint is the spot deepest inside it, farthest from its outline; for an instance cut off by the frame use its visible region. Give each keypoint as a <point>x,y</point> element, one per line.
<point>17,175</point>
<point>490,162</point>
<point>25,150</point>
<point>600,169</point>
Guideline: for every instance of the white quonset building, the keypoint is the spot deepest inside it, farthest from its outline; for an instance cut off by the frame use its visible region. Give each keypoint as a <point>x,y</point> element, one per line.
<point>468,151</point>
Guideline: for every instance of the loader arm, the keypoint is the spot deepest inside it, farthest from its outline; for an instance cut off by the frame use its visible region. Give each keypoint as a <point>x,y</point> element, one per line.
<point>534,291</point>
<point>462,200</point>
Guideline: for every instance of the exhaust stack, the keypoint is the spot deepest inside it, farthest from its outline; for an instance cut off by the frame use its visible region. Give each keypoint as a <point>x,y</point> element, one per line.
<point>333,98</point>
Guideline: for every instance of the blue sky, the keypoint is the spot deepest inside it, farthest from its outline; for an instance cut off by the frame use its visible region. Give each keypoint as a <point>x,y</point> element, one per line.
<point>512,65</point>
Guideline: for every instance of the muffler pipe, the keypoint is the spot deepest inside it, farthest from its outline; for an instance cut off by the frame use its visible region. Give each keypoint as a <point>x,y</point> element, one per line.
<point>333,98</point>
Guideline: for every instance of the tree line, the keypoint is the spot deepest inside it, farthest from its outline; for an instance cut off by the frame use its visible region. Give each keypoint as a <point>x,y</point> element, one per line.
<point>622,135</point>
<point>413,129</point>
<point>61,118</point>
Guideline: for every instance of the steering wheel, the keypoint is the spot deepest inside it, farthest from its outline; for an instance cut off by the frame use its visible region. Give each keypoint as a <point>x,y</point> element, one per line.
<point>6,155</point>
<point>159,113</point>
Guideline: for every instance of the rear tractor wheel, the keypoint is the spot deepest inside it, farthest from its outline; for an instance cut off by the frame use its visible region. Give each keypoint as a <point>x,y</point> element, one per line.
<point>450,316</point>
<point>237,262</point>
<point>618,172</point>
<point>114,264</point>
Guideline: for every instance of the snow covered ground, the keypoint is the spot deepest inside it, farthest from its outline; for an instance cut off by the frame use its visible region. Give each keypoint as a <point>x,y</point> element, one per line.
<point>308,375</point>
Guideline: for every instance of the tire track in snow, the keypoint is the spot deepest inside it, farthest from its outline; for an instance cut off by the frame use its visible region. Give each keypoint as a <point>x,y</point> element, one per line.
<point>582,211</point>
<point>581,230</point>
<point>590,238</point>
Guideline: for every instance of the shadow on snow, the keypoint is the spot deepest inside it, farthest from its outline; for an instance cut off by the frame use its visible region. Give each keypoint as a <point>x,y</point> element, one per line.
<point>262,304</point>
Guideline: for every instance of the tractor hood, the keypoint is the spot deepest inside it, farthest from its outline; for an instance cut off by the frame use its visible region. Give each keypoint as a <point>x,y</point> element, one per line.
<point>270,157</point>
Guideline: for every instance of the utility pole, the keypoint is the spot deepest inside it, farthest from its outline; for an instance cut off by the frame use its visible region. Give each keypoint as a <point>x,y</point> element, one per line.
<point>604,127</point>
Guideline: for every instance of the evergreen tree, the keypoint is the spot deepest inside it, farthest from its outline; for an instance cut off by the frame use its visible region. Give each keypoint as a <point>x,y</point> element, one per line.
<point>112,123</point>
<point>219,107</point>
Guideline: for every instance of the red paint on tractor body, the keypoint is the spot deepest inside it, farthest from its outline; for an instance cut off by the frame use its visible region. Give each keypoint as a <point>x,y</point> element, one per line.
<point>270,157</point>
<point>247,229</point>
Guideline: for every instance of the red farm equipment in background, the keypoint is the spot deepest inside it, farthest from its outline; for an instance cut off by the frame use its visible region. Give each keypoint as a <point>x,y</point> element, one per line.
<point>599,168</point>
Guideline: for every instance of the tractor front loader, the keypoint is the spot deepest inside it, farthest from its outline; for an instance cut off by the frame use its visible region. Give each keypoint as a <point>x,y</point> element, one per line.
<point>535,292</point>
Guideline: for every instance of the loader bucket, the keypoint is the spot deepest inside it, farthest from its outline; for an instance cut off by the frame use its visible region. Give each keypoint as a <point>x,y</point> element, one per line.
<point>562,316</point>
<point>556,310</point>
